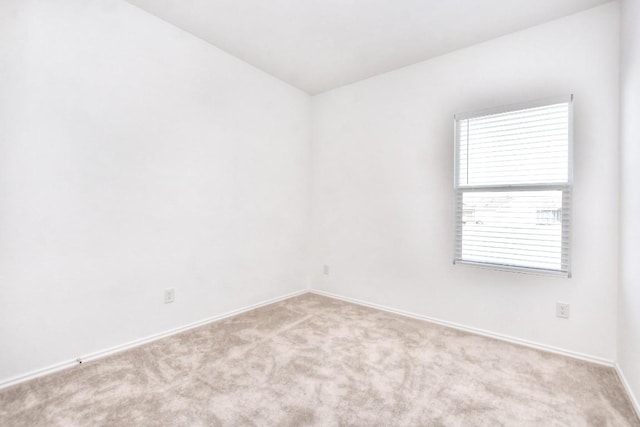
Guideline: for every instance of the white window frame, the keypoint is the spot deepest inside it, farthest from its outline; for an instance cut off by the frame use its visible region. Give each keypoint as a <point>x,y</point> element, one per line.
<point>565,187</point>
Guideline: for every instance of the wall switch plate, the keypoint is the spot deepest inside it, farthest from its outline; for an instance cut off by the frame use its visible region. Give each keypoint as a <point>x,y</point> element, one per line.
<point>325,270</point>
<point>169,295</point>
<point>562,310</point>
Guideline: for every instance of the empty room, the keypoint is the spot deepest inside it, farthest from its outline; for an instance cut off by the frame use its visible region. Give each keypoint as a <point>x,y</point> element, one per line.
<point>319,213</point>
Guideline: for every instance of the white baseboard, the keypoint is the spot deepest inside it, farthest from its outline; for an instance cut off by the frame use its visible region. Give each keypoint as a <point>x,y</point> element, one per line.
<point>625,383</point>
<point>116,349</point>
<point>477,331</point>
<point>135,343</point>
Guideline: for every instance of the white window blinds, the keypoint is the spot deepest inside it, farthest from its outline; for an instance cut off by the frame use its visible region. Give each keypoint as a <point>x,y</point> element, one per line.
<point>513,187</point>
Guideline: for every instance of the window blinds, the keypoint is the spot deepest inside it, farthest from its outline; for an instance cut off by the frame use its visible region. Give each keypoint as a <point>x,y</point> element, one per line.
<point>513,187</point>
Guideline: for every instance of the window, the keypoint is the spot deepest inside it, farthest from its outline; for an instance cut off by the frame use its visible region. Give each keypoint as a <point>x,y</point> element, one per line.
<point>513,183</point>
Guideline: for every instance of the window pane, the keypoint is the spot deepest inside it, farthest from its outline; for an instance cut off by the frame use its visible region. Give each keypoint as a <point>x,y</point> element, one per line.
<point>528,146</point>
<point>515,228</point>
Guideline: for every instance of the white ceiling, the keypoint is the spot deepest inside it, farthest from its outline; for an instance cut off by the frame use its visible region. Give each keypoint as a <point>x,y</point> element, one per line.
<point>317,45</point>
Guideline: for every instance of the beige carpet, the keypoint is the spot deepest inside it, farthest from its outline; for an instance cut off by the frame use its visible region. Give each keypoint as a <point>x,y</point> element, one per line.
<point>312,360</point>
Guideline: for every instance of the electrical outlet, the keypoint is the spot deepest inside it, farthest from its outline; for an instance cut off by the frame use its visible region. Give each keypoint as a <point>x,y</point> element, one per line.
<point>325,270</point>
<point>169,295</point>
<point>562,310</point>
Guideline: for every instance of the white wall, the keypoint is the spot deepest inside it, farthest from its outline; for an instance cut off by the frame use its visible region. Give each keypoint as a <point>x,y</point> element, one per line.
<point>383,184</point>
<point>135,157</point>
<point>629,296</point>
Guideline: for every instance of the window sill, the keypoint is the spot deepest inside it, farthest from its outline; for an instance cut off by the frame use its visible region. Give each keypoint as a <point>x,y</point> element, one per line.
<point>516,269</point>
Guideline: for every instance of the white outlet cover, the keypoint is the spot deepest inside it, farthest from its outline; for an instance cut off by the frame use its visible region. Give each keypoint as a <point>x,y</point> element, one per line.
<point>169,295</point>
<point>563,310</point>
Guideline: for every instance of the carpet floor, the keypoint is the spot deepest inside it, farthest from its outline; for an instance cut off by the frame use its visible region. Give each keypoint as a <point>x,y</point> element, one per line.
<point>312,360</point>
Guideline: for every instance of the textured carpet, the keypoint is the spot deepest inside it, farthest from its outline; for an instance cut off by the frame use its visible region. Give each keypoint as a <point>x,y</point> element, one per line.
<point>312,360</point>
